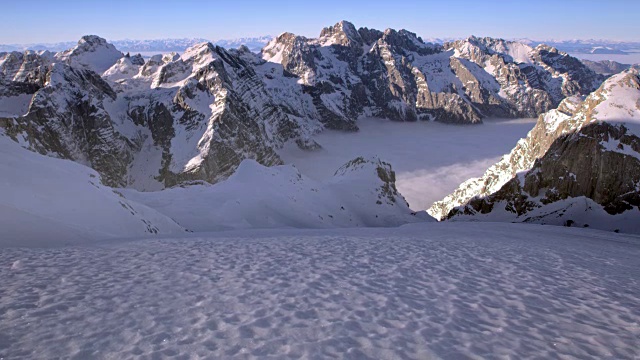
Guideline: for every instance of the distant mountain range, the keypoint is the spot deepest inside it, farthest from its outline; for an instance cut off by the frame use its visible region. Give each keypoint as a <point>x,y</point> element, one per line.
<point>589,46</point>
<point>159,45</point>
<point>255,44</point>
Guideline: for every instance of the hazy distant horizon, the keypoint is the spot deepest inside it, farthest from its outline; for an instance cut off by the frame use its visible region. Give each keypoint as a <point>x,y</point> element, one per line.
<point>41,21</point>
<point>424,37</point>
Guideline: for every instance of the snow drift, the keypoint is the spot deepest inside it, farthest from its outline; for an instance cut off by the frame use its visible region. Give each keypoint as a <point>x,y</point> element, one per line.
<point>48,200</point>
<point>361,193</point>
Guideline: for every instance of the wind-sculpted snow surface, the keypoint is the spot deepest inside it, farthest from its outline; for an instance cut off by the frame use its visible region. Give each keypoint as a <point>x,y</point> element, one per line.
<point>450,291</point>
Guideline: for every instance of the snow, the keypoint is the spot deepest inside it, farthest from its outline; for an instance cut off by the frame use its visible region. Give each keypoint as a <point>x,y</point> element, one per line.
<point>430,159</point>
<point>255,197</point>
<point>628,58</point>
<point>91,52</point>
<point>520,53</point>
<point>123,69</point>
<point>618,147</point>
<point>553,119</point>
<point>621,100</point>
<point>273,51</point>
<point>14,106</point>
<point>44,199</point>
<point>438,290</point>
<point>144,168</point>
<point>581,211</point>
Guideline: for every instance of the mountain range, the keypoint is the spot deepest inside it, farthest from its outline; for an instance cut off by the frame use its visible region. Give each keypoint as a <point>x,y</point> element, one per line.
<point>192,119</point>
<point>589,46</point>
<point>147,46</point>
<point>579,166</point>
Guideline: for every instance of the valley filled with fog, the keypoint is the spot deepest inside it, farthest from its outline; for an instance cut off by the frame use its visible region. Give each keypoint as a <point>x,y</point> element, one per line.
<point>430,159</point>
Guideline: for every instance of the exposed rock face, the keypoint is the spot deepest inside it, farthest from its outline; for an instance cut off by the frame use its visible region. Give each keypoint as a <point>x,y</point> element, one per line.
<point>67,119</point>
<point>28,67</point>
<point>608,67</point>
<point>196,116</point>
<point>394,74</point>
<point>157,124</point>
<point>594,153</point>
<point>548,128</point>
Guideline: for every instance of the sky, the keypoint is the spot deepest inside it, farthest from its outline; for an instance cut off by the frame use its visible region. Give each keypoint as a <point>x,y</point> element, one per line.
<point>57,20</point>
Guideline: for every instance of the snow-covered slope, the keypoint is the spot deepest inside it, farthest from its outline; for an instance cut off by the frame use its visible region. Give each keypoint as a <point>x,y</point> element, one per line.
<point>92,52</point>
<point>362,193</point>
<point>349,72</point>
<point>422,291</point>
<point>45,200</point>
<point>255,44</point>
<point>548,127</point>
<point>585,172</point>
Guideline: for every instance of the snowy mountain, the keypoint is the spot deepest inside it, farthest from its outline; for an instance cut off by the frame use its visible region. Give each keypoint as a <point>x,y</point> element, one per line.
<point>158,46</point>
<point>362,193</point>
<point>351,72</point>
<point>579,166</point>
<point>608,67</point>
<point>255,44</point>
<point>148,46</point>
<point>92,53</point>
<point>197,116</point>
<point>147,125</point>
<point>53,201</point>
<point>588,46</point>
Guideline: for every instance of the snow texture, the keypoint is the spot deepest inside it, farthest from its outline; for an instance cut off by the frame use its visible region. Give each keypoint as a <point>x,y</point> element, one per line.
<point>439,290</point>
<point>256,196</point>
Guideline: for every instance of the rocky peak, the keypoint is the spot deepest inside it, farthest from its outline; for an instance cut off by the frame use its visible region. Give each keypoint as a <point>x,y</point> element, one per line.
<point>566,143</point>
<point>404,41</point>
<point>370,36</point>
<point>363,168</point>
<point>136,59</point>
<point>92,52</point>
<point>343,33</point>
<point>91,42</point>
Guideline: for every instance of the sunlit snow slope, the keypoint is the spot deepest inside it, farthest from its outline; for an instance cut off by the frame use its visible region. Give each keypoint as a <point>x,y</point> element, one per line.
<point>49,200</point>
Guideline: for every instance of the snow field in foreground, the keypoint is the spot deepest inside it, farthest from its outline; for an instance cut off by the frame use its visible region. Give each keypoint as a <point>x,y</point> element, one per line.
<point>438,290</point>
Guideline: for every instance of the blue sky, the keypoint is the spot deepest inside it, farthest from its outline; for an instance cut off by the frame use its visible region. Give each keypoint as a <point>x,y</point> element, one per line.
<point>53,21</point>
